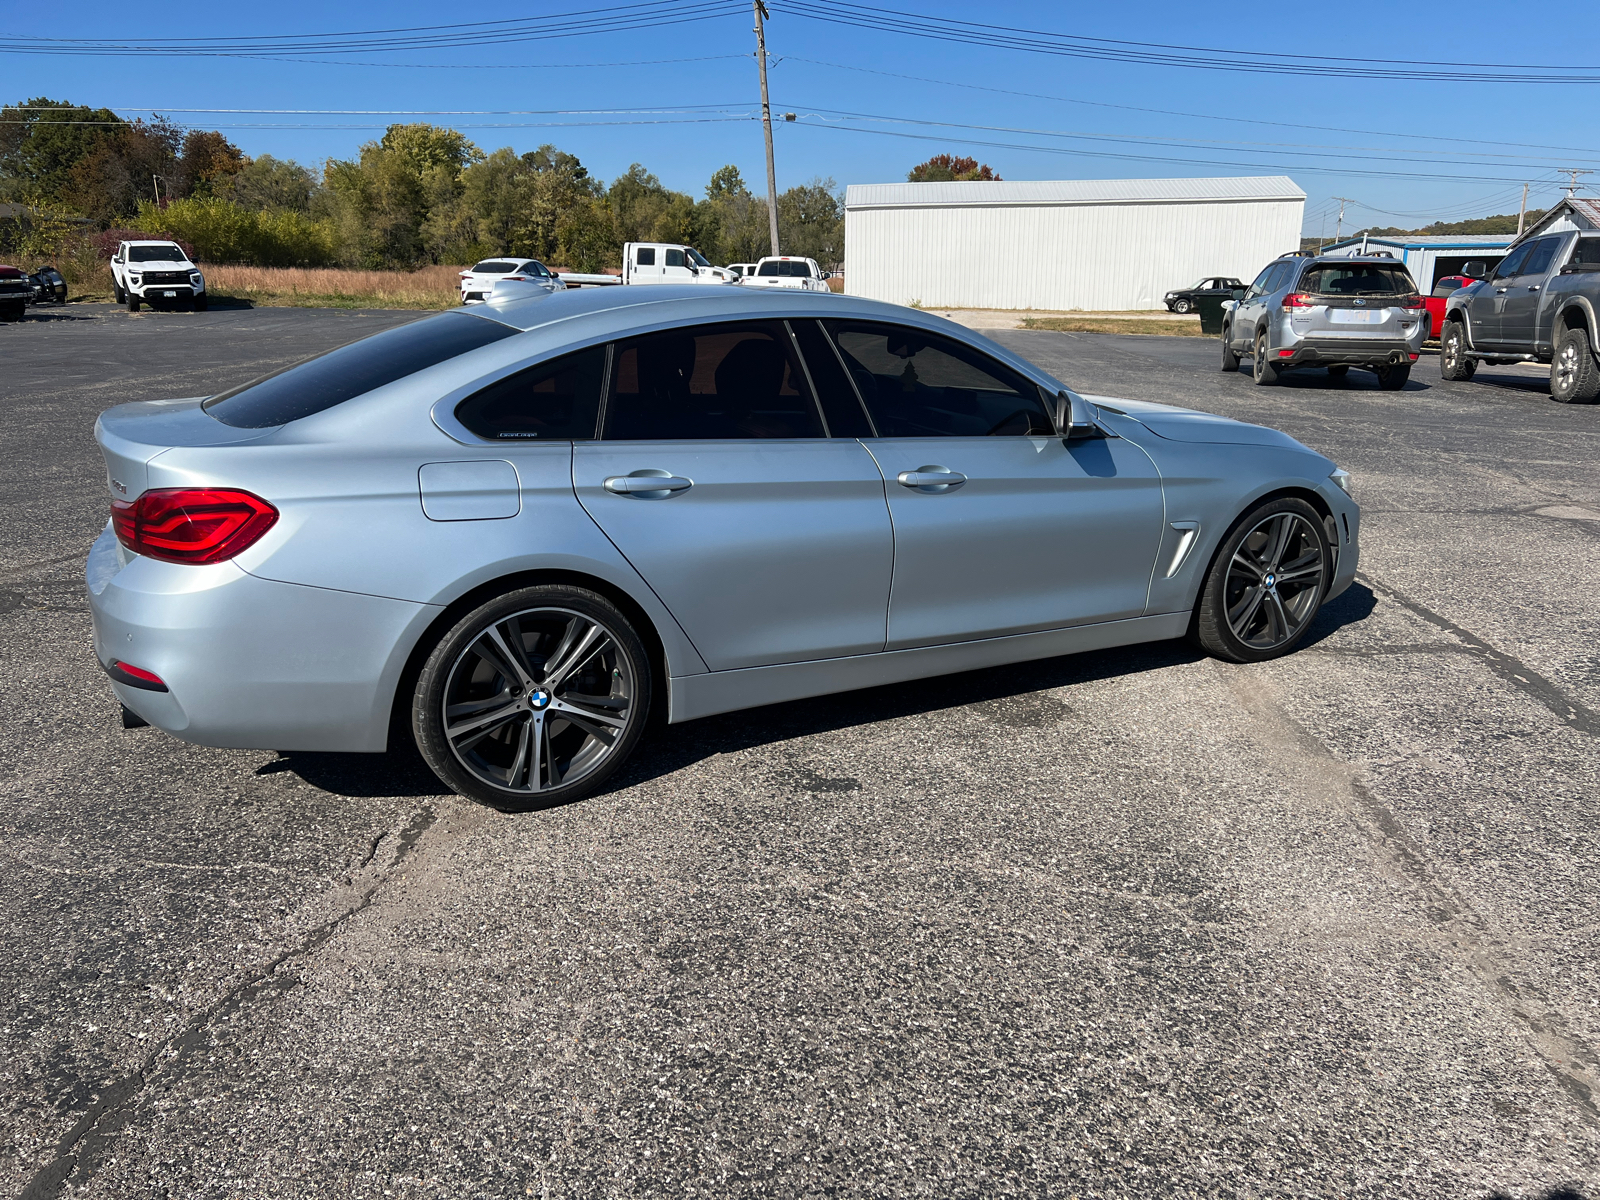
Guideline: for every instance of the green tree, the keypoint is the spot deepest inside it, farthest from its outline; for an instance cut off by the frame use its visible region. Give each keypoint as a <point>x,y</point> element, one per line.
<point>811,222</point>
<point>944,167</point>
<point>272,184</point>
<point>43,140</point>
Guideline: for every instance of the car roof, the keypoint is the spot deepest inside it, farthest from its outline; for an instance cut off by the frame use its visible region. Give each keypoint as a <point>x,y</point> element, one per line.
<point>154,242</point>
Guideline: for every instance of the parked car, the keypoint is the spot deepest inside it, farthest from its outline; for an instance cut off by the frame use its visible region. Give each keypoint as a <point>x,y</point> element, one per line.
<point>156,273</point>
<point>513,529</point>
<point>48,286</point>
<point>1188,299</point>
<point>1443,289</point>
<point>742,270</point>
<point>669,262</point>
<point>786,271</point>
<point>1306,311</point>
<point>16,293</point>
<point>1539,305</point>
<point>479,280</point>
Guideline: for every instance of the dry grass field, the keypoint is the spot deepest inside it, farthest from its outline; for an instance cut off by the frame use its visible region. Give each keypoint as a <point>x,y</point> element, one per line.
<point>1115,325</point>
<point>303,287</point>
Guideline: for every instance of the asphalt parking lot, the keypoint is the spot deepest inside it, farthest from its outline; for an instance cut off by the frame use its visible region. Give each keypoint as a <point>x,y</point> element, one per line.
<point>1134,923</point>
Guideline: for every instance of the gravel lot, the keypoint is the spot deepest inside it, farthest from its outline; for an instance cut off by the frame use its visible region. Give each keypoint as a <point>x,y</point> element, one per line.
<point>1134,923</point>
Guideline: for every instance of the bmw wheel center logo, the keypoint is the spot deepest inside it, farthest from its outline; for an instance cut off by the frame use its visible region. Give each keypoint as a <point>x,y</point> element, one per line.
<point>538,698</point>
<point>1270,581</point>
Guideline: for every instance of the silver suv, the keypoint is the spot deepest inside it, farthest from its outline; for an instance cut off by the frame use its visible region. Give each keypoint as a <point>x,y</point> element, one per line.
<point>1305,311</point>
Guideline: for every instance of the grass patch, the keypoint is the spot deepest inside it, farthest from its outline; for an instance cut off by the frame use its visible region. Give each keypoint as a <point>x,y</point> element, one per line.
<point>1114,325</point>
<point>431,288</point>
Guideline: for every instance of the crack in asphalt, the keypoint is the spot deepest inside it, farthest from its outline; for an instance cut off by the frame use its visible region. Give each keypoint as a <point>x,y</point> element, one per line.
<point>81,1149</point>
<point>1574,1065</point>
<point>1518,674</point>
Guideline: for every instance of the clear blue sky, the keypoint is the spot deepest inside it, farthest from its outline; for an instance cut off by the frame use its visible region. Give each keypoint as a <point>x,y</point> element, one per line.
<point>860,120</point>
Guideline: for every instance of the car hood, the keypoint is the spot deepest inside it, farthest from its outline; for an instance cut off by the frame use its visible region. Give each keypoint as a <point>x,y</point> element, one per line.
<point>1191,425</point>
<point>163,264</point>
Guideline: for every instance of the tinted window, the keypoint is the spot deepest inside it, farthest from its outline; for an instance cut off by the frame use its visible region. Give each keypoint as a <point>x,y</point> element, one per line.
<point>1539,257</point>
<point>1260,284</point>
<point>493,268</point>
<point>1448,286</point>
<point>555,400</point>
<point>840,405</point>
<point>168,253</point>
<point>674,258</point>
<point>1512,263</point>
<point>767,269</point>
<point>795,270</point>
<point>647,257</point>
<point>918,384</point>
<point>1586,253</point>
<point>1357,279</point>
<point>710,382</point>
<point>350,371</point>
<point>533,268</point>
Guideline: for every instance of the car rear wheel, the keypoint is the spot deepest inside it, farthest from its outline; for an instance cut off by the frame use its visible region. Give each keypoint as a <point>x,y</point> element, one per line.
<point>1574,378</point>
<point>1181,305</point>
<point>1339,372</point>
<point>1265,584</point>
<point>1230,360</point>
<point>1261,370</point>
<point>533,699</point>
<point>1454,364</point>
<point>1393,376</point>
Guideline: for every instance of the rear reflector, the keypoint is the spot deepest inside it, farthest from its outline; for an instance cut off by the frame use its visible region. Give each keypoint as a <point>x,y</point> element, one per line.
<point>198,526</point>
<point>1414,357</point>
<point>136,677</point>
<point>1285,353</point>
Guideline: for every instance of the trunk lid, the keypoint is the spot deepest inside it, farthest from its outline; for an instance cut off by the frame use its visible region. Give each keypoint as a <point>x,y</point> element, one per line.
<point>131,435</point>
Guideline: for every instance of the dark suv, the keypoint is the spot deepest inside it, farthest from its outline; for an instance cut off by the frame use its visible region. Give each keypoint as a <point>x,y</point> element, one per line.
<point>1188,299</point>
<point>1306,311</point>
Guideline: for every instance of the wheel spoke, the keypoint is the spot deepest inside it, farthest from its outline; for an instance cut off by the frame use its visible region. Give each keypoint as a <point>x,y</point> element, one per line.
<point>1277,618</point>
<point>1244,564</point>
<point>573,653</point>
<point>473,727</point>
<point>1277,540</point>
<point>601,724</point>
<point>511,657</point>
<point>1241,616</point>
<point>519,763</point>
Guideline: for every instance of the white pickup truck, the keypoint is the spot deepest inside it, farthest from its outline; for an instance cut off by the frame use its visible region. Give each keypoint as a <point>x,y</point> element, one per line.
<point>657,262</point>
<point>155,273</point>
<point>787,272</point>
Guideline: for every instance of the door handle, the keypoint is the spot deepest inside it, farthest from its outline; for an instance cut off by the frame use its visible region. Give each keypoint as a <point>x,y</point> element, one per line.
<point>1500,291</point>
<point>1533,287</point>
<point>931,479</point>
<point>648,485</point>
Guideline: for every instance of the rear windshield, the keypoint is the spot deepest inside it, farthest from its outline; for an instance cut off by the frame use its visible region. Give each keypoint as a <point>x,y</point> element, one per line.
<point>155,254</point>
<point>339,375</point>
<point>1357,279</point>
<point>493,268</point>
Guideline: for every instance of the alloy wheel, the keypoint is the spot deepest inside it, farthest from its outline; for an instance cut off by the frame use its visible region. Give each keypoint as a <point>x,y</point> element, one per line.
<point>1566,367</point>
<point>538,700</point>
<point>1275,581</point>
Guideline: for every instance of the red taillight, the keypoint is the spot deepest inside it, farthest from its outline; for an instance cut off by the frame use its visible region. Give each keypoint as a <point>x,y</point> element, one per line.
<point>1298,300</point>
<point>517,278</point>
<point>1413,302</point>
<point>191,525</point>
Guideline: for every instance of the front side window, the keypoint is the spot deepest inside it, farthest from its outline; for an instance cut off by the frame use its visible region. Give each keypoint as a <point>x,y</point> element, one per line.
<point>675,258</point>
<point>493,267</point>
<point>697,258</point>
<point>1512,263</point>
<point>554,401</point>
<point>646,256</point>
<point>1539,257</point>
<point>918,384</point>
<point>339,375</point>
<point>709,382</point>
<point>535,268</point>
<point>1259,287</point>
<point>768,269</point>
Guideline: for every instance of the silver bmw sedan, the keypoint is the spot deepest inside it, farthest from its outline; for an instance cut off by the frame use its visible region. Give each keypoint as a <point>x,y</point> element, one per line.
<point>509,531</point>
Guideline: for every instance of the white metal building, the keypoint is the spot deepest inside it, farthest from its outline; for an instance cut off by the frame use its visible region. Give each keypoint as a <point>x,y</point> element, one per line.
<point>1067,244</point>
<point>1432,256</point>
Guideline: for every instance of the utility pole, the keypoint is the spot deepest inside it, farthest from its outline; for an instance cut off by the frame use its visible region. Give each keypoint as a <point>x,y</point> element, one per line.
<point>1572,183</point>
<point>766,123</point>
<point>1338,229</point>
<point>155,182</point>
<point>1523,211</point>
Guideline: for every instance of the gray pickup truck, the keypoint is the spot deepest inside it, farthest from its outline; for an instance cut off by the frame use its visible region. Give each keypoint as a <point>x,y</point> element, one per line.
<point>1539,305</point>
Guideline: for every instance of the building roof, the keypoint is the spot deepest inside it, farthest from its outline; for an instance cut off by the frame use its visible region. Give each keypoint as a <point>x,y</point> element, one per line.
<point>1586,210</point>
<point>1011,193</point>
<point>1406,241</point>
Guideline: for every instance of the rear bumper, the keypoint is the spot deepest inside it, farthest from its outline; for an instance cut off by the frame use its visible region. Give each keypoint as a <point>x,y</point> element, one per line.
<point>250,663</point>
<point>1365,352</point>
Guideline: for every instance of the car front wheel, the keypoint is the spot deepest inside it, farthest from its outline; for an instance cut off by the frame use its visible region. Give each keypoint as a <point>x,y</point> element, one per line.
<point>1265,584</point>
<point>1454,364</point>
<point>1181,305</point>
<point>533,699</point>
<point>1574,378</point>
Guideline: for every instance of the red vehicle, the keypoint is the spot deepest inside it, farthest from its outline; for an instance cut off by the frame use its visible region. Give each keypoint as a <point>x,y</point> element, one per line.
<point>1441,292</point>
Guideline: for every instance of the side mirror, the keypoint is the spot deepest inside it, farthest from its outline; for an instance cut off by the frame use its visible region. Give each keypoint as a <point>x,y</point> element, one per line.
<point>1476,269</point>
<point>826,275</point>
<point>1072,417</point>
<point>1237,293</point>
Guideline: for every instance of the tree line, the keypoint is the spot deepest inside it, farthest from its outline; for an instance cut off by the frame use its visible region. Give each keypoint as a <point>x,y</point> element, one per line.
<point>419,194</point>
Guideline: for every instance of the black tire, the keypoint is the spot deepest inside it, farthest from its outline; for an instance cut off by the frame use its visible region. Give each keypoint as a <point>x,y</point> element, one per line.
<point>1574,376</point>
<point>1262,370</point>
<point>1258,599</point>
<point>1230,360</point>
<point>12,312</point>
<point>516,744</point>
<point>1181,305</point>
<point>133,302</point>
<point>201,302</point>
<point>1454,364</point>
<point>1393,376</point>
<point>1339,372</point>
<point>117,293</point>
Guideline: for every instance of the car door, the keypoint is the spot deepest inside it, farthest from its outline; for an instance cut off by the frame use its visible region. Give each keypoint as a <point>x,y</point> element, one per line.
<point>1000,527</point>
<point>1247,313</point>
<point>1523,293</point>
<point>767,540</point>
<point>675,267</point>
<point>1485,308</point>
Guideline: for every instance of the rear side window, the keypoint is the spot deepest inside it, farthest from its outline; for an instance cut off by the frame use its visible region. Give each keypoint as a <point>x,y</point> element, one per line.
<point>339,375</point>
<point>917,384</point>
<point>554,401</point>
<point>1357,279</point>
<point>493,268</point>
<point>767,269</point>
<point>1586,254</point>
<point>646,256</point>
<point>710,382</point>
<point>840,405</point>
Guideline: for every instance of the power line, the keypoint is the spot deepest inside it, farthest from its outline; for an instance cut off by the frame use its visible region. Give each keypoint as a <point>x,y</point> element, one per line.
<point>1209,58</point>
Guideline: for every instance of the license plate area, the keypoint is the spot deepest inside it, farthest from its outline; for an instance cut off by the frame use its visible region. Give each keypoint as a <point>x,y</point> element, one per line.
<point>169,295</point>
<point>1356,316</point>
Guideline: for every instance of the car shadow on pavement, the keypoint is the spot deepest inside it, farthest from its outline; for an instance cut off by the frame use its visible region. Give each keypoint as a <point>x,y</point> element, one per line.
<point>666,749</point>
